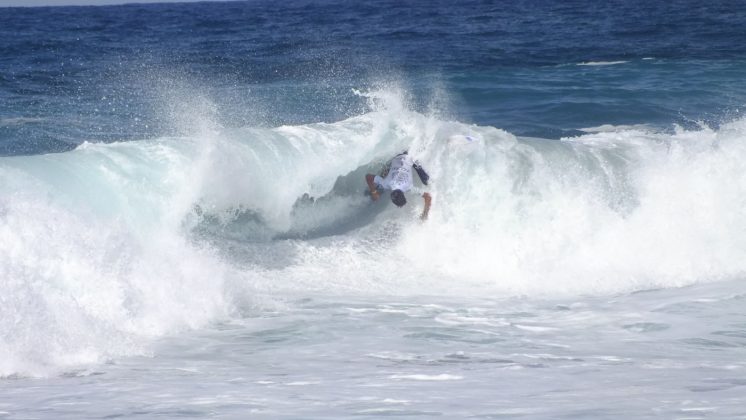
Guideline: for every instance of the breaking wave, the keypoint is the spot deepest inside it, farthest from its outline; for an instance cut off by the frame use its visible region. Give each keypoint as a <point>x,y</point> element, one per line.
<point>107,246</point>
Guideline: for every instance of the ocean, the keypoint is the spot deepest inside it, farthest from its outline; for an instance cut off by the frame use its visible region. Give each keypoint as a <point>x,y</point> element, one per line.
<point>184,230</point>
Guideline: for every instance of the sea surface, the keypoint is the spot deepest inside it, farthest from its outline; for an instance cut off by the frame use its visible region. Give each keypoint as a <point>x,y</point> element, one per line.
<point>184,230</point>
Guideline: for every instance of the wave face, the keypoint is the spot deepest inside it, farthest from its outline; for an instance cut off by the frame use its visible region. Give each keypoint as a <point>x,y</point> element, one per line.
<point>107,246</point>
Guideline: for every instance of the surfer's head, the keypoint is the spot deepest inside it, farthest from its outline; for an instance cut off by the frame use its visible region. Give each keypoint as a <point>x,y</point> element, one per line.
<point>397,197</point>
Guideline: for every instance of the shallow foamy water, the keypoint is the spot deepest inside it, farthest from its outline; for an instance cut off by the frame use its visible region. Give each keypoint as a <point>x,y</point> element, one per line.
<point>668,353</point>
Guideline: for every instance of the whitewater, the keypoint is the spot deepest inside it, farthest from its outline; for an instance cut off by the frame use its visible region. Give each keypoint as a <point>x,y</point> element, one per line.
<point>242,271</point>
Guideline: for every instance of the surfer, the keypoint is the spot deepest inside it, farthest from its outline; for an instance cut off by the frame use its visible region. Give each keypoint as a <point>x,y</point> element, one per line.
<point>397,177</point>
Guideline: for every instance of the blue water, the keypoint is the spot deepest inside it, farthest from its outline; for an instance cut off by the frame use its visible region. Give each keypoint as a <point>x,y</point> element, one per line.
<point>98,73</point>
<point>183,229</point>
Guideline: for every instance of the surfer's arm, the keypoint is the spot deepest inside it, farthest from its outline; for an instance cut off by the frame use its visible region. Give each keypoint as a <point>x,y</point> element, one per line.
<point>428,200</point>
<point>424,177</point>
<point>372,186</point>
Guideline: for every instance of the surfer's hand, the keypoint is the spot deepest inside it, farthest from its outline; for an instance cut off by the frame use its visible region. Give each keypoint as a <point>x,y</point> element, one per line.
<point>372,187</point>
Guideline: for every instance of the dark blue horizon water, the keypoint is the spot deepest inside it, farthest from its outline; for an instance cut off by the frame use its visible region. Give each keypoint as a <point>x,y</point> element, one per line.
<point>109,73</point>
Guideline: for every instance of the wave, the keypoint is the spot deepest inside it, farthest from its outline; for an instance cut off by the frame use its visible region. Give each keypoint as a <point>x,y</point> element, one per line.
<point>18,121</point>
<point>107,246</point>
<point>602,63</point>
<point>605,128</point>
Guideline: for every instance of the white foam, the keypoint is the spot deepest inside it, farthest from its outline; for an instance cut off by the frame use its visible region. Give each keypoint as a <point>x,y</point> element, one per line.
<point>16,121</point>
<point>439,377</point>
<point>93,261</point>
<point>602,63</point>
<point>609,128</point>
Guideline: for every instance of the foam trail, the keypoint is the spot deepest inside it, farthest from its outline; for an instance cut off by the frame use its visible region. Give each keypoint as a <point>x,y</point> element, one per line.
<point>602,63</point>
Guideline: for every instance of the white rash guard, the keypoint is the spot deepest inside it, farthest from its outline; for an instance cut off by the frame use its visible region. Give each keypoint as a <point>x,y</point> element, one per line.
<point>399,176</point>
